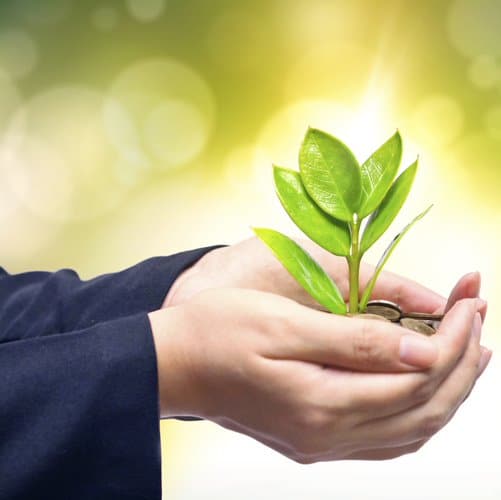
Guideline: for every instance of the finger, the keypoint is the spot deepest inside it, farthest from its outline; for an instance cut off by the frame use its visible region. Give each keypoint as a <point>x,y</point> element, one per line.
<point>425,420</point>
<point>354,343</point>
<point>408,294</point>
<point>485,357</point>
<point>467,287</point>
<point>483,309</point>
<point>454,332</point>
<point>375,346</point>
<point>290,452</point>
<point>376,395</point>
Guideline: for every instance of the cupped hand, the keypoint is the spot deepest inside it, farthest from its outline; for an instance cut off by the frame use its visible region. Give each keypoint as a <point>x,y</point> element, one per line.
<point>251,264</point>
<point>308,383</point>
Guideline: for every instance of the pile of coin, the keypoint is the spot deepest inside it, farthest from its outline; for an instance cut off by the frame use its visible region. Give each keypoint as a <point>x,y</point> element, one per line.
<point>385,310</point>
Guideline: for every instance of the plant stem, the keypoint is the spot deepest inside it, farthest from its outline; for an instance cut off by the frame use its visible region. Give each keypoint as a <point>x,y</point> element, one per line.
<point>354,264</point>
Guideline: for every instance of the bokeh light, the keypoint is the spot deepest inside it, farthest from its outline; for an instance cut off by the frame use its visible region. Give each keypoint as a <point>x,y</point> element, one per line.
<point>474,27</point>
<point>145,10</point>
<point>169,108</point>
<point>18,53</point>
<point>182,124</point>
<point>59,157</point>
<point>304,24</point>
<point>484,72</point>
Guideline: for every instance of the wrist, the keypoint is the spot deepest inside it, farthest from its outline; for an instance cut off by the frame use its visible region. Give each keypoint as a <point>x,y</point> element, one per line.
<point>176,390</point>
<point>170,299</point>
<point>186,283</point>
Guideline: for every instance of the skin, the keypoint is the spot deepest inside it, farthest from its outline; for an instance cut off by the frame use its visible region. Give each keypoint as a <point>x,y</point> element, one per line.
<point>240,343</point>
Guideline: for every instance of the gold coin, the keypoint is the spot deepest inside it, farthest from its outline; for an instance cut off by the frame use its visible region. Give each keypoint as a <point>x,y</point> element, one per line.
<point>385,308</point>
<point>417,325</point>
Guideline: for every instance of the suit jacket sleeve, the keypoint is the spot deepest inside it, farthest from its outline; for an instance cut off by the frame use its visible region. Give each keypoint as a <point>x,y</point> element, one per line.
<point>79,409</point>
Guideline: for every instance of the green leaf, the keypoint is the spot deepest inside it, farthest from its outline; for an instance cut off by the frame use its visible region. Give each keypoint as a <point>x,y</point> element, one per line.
<point>331,174</point>
<point>304,269</point>
<point>386,255</point>
<point>329,233</point>
<point>381,219</point>
<point>378,172</point>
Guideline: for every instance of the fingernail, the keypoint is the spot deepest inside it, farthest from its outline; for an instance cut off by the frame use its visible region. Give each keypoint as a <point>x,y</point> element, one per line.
<point>482,308</point>
<point>476,328</point>
<point>485,357</point>
<point>417,351</point>
<point>476,290</point>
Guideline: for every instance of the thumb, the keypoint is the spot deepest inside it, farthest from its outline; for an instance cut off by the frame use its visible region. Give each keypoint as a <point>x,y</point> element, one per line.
<point>357,343</point>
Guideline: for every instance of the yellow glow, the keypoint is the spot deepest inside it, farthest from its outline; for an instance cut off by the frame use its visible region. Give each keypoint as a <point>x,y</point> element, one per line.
<point>436,122</point>
<point>362,127</point>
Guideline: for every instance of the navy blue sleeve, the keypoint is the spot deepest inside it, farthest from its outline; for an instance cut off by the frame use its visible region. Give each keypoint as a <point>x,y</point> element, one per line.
<point>79,409</point>
<point>42,303</point>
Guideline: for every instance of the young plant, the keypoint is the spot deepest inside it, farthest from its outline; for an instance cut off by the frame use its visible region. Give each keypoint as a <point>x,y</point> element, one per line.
<point>342,206</point>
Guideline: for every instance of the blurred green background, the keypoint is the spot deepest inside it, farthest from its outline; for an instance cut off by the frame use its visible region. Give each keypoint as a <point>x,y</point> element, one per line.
<point>135,123</point>
<point>142,127</point>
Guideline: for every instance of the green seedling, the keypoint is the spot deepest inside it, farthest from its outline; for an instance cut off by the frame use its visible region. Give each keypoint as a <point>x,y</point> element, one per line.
<point>344,207</point>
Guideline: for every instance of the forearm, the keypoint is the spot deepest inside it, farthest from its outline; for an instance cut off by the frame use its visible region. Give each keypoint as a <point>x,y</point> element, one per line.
<point>43,303</point>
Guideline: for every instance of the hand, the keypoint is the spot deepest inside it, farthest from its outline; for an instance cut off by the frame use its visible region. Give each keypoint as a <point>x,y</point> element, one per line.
<point>287,375</point>
<point>250,264</point>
